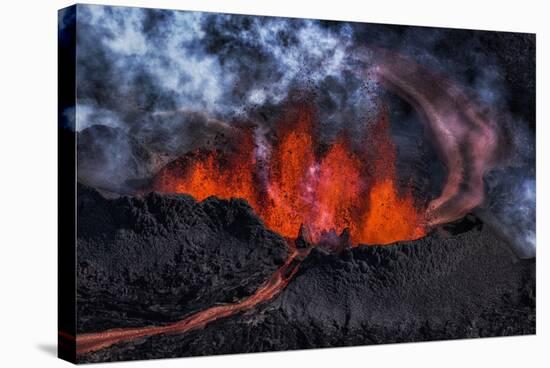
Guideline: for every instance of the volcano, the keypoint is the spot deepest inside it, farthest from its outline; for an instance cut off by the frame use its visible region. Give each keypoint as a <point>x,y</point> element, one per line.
<point>336,190</point>
<point>256,231</point>
<point>306,211</point>
<point>218,282</point>
<point>248,184</point>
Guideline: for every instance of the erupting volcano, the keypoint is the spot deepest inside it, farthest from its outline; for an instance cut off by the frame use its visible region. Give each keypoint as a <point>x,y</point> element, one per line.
<point>253,184</point>
<point>326,189</point>
<point>300,184</point>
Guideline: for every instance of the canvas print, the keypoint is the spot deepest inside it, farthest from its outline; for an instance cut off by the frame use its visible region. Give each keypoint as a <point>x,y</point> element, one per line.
<point>241,183</point>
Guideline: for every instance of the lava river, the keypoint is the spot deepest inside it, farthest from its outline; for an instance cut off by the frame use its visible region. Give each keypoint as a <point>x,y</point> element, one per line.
<point>86,343</point>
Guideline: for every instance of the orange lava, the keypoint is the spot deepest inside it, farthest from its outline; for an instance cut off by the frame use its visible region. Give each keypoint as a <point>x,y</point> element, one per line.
<point>288,200</point>
<point>390,218</point>
<point>209,173</point>
<point>340,195</point>
<point>340,188</point>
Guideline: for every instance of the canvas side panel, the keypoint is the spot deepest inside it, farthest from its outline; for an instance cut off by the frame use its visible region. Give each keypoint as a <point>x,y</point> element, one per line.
<point>66,184</point>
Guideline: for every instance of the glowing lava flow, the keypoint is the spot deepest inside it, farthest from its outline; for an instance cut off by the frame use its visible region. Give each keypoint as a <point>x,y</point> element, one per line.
<point>86,343</point>
<point>338,189</point>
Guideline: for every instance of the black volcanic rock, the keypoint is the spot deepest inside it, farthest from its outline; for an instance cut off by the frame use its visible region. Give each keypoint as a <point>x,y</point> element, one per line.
<point>444,286</point>
<point>156,259</point>
<point>431,288</point>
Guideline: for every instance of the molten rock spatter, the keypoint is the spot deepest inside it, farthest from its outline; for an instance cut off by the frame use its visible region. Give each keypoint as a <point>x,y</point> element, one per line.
<point>331,192</point>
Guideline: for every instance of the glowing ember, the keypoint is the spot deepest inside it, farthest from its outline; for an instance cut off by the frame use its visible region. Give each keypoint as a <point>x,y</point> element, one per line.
<point>340,189</point>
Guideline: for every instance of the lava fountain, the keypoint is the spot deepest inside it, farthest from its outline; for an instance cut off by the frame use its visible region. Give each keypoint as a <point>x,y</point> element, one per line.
<point>328,190</point>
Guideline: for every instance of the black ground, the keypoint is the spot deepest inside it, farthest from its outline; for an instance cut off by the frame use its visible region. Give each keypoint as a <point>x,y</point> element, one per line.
<point>154,260</point>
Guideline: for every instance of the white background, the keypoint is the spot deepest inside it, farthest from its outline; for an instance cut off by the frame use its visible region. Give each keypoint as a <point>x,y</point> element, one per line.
<point>28,187</point>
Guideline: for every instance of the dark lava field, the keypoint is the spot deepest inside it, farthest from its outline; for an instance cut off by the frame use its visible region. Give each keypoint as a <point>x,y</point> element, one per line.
<point>153,260</point>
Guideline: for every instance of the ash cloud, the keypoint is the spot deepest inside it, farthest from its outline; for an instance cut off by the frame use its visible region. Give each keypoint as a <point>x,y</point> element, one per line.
<point>168,81</point>
<point>174,80</point>
<point>154,61</point>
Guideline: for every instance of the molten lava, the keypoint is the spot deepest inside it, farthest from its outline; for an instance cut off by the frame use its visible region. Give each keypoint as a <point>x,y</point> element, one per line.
<point>211,173</point>
<point>340,188</point>
<point>291,167</point>
<point>89,342</point>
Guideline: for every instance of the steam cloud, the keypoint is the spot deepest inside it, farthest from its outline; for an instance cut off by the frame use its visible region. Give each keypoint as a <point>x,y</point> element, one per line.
<point>153,84</point>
